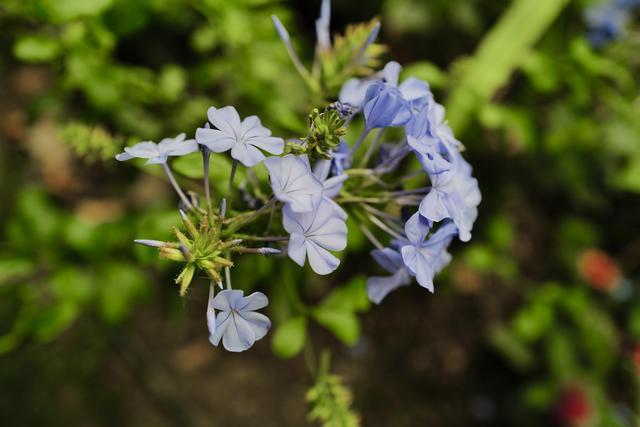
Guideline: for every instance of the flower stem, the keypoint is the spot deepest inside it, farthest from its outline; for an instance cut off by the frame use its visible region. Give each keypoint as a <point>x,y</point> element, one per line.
<point>371,148</point>
<point>206,155</point>
<point>384,227</point>
<point>261,238</point>
<point>232,175</point>
<point>227,277</point>
<point>176,187</point>
<point>361,138</point>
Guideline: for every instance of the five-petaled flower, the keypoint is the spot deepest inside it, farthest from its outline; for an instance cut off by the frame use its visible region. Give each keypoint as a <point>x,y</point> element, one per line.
<point>237,323</point>
<point>244,138</point>
<point>425,258</point>
<point>313,235</point>
<point>160,152</point>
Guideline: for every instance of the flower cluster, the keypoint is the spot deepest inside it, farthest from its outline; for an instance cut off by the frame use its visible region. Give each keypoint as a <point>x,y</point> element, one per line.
<point>317,183</point>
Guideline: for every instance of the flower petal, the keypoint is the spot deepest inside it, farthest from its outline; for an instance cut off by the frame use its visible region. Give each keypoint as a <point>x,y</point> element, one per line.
<point>321,261</point>
<point>270,144</point>
<point>226,119</point>
<point>259,323</point>
<point>214,139</point>
<point>297,249</point>
<point>239,335</point>
<point>255,301</point>
<point>246,154</point>
<point>379,287</point>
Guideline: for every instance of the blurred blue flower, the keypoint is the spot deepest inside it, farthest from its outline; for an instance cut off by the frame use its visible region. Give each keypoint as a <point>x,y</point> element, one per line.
<point>245,139</point>
<point>313,235</point>
<point>391,260</point>
<point>607,22</point>
<point>426,258</point>
<point>237,323</point>
<point>159,153</point>
<point>293,183</point>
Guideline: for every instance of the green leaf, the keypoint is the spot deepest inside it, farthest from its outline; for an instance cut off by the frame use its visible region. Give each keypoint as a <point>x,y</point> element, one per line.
<point>290,337</point>
<point>350,297</point>
<point>15,269</point>
<point>343,324</point>
<point>120,285</point>
<point>36,48</point>
<point>66,10</point>
<point>172,82</point>
<point>502,51</point>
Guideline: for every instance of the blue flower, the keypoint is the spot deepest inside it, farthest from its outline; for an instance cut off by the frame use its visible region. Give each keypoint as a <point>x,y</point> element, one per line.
<point>245,139</point>
<point>353,92</point>
<point>330,186</point>
<point>426,258</point>
<point>434,156</point>
<point>159,153</point>
<point>237,323</point>
<point>313,235</point>
<point>454,194</point>
<point>293,183</point>
<point>385,106</point>
<point>391,260</point>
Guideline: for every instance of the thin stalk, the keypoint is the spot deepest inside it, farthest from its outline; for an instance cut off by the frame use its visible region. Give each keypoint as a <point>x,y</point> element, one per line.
<point>243,218</point>
<point>361,138</point>
<point>227,277</point>
<point>384,227</point>
<point>369,235</point>
<point>176,187</point>
<point>261,238</point>
<point>232,175</point>
<point>206,156</point>
<point>371,148</point>
<point>420,190</point>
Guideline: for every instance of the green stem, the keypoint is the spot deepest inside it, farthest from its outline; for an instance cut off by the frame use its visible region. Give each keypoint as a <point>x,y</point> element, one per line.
<point>176,187</point>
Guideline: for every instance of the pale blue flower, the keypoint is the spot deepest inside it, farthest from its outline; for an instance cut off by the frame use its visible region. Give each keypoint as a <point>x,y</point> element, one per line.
<point>426,258</point>
<point>244,138</point>
<point>322,25</point>
<point>313,235</point>
<point>330,186</point>
<point>434,155</point>
<point>237,323</point>
<point>211,313</point>
<point>391,260</point>
<point>159,153</point>
<point>454,194</point>
<point>293,182</point>
<point>353,92</point>
<point>385,106</point>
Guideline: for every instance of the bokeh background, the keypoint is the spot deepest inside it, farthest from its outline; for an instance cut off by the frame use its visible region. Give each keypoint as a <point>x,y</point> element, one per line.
<point>536,322</point>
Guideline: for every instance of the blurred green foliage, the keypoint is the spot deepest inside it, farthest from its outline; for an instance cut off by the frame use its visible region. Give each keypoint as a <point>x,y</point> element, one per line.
<point>550,125</point>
